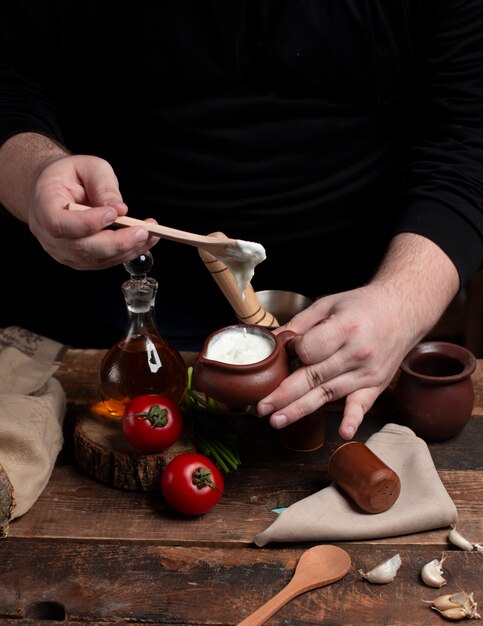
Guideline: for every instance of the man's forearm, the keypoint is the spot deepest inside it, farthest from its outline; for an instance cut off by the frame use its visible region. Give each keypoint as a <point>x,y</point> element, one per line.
<point>22,157</point>
<point>424,277</point>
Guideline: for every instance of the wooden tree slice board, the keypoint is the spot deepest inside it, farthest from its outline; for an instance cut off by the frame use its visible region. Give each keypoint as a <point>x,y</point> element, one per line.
<point>103,453</point>
<point>7,502</point>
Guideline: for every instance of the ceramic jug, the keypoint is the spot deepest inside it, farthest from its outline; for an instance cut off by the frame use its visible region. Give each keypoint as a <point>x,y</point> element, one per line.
<point>240,385</point>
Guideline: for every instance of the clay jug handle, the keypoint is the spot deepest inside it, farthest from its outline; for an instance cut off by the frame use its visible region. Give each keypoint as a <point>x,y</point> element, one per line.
<point>285,338</point>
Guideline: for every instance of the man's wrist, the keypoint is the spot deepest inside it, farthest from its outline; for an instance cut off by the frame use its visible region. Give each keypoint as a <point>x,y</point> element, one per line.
<point>423,277</point>
<point>22,158</point>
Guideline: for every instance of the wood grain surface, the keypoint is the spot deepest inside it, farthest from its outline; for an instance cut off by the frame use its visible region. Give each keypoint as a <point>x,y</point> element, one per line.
<point>7,501</point>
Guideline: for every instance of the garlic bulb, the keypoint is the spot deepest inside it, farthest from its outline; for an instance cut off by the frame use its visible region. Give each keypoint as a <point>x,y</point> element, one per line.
<point>432,573</point>
<point>384,572</point>
<point>455,606</point>
<point>458,540</point>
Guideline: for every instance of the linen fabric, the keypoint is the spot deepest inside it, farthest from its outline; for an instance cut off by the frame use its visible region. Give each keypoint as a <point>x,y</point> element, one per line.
<point>330,515</point>
<point>32,409</point>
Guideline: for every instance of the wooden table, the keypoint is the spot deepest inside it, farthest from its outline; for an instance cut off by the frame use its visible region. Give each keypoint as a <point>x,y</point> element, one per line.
<point>90,554</point>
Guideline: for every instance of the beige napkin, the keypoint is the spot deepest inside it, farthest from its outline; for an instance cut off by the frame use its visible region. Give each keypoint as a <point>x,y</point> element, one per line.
<point>329,515</point>
<point>32,409</point>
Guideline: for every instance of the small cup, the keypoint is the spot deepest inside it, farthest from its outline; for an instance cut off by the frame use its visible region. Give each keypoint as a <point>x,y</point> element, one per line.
<point>366,479</point>
<point>283,304</point>
<point>306,434</point>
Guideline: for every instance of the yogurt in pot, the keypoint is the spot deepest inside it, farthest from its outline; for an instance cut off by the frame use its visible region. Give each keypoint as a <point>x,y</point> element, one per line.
<point>238,347</point>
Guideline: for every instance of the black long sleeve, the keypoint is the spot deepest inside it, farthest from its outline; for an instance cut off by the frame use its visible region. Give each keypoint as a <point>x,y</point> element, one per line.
<point>319,129</point>
<point>443,192</point>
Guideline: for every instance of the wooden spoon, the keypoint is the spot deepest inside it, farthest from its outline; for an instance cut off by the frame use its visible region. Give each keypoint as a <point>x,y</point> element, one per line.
<point>316,567</point>
<point>230,250</point>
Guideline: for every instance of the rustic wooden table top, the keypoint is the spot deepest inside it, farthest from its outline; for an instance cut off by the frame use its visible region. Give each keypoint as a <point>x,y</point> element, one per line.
<point>90,554</point>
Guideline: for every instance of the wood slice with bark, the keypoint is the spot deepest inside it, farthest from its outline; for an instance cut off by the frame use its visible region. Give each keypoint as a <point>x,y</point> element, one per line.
<point>102,451</point>
<point>7,502</point>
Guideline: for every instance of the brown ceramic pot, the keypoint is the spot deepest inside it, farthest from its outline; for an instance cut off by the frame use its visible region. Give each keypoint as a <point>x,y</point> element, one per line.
<point>434,392</point>
<point>306,434</point>
<point>238,386</point>
<point>364,477</point>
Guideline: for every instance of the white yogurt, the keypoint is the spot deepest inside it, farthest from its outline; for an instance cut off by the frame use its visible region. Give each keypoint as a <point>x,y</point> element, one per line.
<point>239,347</point>
<point>241,259</point>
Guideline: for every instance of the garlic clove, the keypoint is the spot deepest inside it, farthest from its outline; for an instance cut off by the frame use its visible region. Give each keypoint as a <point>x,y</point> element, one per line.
<point>478,547</point>
<point>384,572</point>
<point>458,540</point>
<point>448,601</point>
<point>453,614</point>
<point>431,573</point>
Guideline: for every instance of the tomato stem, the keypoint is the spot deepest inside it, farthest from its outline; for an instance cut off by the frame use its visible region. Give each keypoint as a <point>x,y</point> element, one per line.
<point>156,416</point>
<point>202,478</point>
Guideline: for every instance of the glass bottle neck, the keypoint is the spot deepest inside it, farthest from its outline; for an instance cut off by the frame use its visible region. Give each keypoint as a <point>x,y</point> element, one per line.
<point>140,299</point>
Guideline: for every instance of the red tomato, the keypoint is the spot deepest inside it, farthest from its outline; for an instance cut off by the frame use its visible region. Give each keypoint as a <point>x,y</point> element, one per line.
<point>152,422</point>
<point>191,483</point>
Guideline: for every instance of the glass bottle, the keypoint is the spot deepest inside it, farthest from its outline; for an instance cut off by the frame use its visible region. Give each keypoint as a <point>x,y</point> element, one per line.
<point>142,362</point>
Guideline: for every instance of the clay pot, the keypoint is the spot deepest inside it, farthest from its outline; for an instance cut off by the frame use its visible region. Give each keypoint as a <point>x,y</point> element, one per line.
<point>306,434</point>
<point>239,386</point>
<point>434,392</point>
<point>364,477</point>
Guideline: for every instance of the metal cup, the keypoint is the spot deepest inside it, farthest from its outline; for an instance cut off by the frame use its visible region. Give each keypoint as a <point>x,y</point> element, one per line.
<point>283,304</point>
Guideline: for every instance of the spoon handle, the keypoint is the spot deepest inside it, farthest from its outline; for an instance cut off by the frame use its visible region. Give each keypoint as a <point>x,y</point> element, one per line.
<point>263,613</point>
<point>166,232</point>
<point>246,305</point>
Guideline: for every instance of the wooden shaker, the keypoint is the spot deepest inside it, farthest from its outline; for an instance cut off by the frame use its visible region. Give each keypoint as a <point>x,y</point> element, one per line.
<point>366,479</point>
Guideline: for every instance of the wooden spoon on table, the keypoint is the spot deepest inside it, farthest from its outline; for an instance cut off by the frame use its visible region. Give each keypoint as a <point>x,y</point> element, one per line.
<point>221,247</point>
<point>316,567</point>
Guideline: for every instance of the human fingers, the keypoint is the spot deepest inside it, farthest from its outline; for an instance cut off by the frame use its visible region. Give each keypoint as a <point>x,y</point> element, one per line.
<point>323,377</point>
<point>102,249</point>
<point>321,330</point>
<point>304,391</point>
<point>357,404</point>
<point>317,313</point>
<point>65,181</point>
<point>82,179</point>
<point>99,181</point>
<point>338,367</point>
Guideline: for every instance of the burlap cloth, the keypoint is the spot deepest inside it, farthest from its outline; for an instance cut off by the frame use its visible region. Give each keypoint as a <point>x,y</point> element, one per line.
<point>329,515</point>
<point>32,409</point>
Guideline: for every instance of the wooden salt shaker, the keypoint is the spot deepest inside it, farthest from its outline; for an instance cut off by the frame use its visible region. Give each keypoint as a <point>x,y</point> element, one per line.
<point>362,475</point>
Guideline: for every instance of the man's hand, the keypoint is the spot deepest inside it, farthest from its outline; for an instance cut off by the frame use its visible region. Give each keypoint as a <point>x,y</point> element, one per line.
<point>37,181</point>
<point>351,344</point>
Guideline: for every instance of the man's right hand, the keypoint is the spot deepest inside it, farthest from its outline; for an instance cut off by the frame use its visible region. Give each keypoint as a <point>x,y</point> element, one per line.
<point>40,179</point>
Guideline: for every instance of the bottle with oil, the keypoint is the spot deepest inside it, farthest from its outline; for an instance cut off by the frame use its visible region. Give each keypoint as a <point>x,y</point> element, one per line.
<point>142,362</point>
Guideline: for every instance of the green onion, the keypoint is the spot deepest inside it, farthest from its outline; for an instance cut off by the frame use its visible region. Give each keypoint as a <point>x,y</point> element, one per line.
<point>210,431</point>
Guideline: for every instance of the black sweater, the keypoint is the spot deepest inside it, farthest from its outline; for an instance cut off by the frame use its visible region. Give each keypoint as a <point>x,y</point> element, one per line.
<point>319,128</point>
